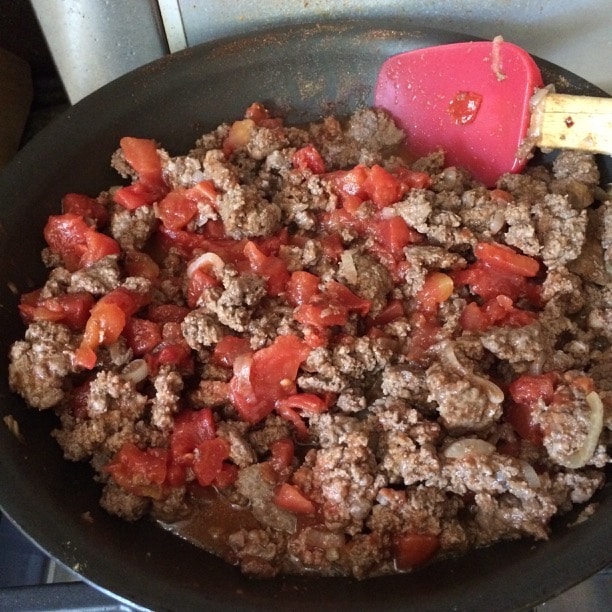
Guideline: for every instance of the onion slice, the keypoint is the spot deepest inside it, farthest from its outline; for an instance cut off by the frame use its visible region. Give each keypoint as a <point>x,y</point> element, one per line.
<point>579,458</point>
<point>135,371</point>
<point>207,261</point>
<point>468,446</point>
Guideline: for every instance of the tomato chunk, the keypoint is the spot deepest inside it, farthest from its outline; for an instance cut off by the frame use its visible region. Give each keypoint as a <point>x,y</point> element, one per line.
<point>289,497</point>
<point>413,549</point>
<point>141,472</point>
<point>209,458</point>
<point>266,377</point>
<point>72,309</point>
<point>382,187</point>
<point>308,158</point>
<point>506,260</point>
<point>191,428</point>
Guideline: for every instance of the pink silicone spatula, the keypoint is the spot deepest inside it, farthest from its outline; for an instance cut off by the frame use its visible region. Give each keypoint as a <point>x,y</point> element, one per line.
<point>473,100</point>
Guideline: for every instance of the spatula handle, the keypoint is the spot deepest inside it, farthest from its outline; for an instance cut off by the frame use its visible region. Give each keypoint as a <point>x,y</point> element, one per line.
<point>563,121</point>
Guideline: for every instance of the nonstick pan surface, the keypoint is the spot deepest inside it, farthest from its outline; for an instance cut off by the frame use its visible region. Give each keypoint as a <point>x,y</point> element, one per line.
<point>304,72</point>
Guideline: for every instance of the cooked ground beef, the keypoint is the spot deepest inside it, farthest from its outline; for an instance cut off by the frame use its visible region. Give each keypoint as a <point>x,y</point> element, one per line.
<point>352,365</point>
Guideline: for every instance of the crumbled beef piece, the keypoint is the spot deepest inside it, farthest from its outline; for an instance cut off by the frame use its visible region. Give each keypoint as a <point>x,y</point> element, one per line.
<point>234,303</point>
<point>123,504</point>
<point>109,391</point>
<point>406,445</point>
<point>560,229</point>
<point>200,329</point>
<point>241,452</point>
<point>181,171</point>
<point>406,382</point>
<point>481,214</point>
<point>372,281</point>
<point>462,404</point>
<point>257,550</point>
<point>40,363</point>
<point>245,213</point>
<point>562,292</point>
<point>578,194</point>
<point>373,129</point>
<point>272,429</point>
<point>521,232</point>
<point>565,423</point>
<point>431,164</point>
<point>345,482</point>
<point>271,318</point>
<point>165,403</point>
<point>132,228</point>
<point>99,278</point>
<point>517,344</point>
<point>416,208</point>
<point>590,265</point>
<point>523,187</point>
<point>576,165</point>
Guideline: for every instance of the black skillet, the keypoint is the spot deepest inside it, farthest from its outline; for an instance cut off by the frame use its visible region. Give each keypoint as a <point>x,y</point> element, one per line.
<point>304,72</point>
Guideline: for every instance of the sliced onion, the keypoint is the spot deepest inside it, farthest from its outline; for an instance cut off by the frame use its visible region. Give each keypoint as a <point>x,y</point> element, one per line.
<point>531,476</point>
<point>497,221</point>
<point>206,261</point>
<point>494,393</point>
<point>468,446</point>
<point>585,452</point>
<point>347,267</point>
<point>387,212</point>
<point>135,371</point>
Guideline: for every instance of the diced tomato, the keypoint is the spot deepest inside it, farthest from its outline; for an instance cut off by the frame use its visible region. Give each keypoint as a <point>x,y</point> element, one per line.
<point>209,458</point>
<point>412,179</point>
<point>205,191</point>
<point>393,234</point>
<point>424,334</point>
<point>142,335</point>
<point>272,268</point>
<point>382,187</point>
<point>392,311</point>
<point>520,416</point>
<point>498,311</point>
<point>506,260</point>
<point>261,116</point>
<point>413,549</point>
<point>292,416</point>
<point>525,392</point>
<point>289,497</point>
<point>129,301</point>
<point>197,283</point>
<point>227,475</point>
<point>350,182</point>
<point>438,287</point>
<point>138,194</point>
<point>308,158</point>
<point>309,402</point>
<point>72,309</point>
<point>176,210</point>
<point>302,287</point>
<point>65,235</point>
<point>88,208</point>
<point>501,195</point>
<point>141,154</point>
<point>79,399</point>
<point>528,389</point>
<point>488,283</point>
<point>321,315</point>
<point>167,313</point>
<point>266,377</point>
<point>228,349</point>
<point>141,472</point>
<point>342,295</point>
<point>170,353</point>
<point>282,454</point>
<point>191,428</point>
<point>78,244</point>
<point>138,263</point>
<point>97,246</point>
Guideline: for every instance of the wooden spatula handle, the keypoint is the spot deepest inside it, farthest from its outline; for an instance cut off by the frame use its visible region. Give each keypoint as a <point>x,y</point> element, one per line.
<point>562,121</point>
